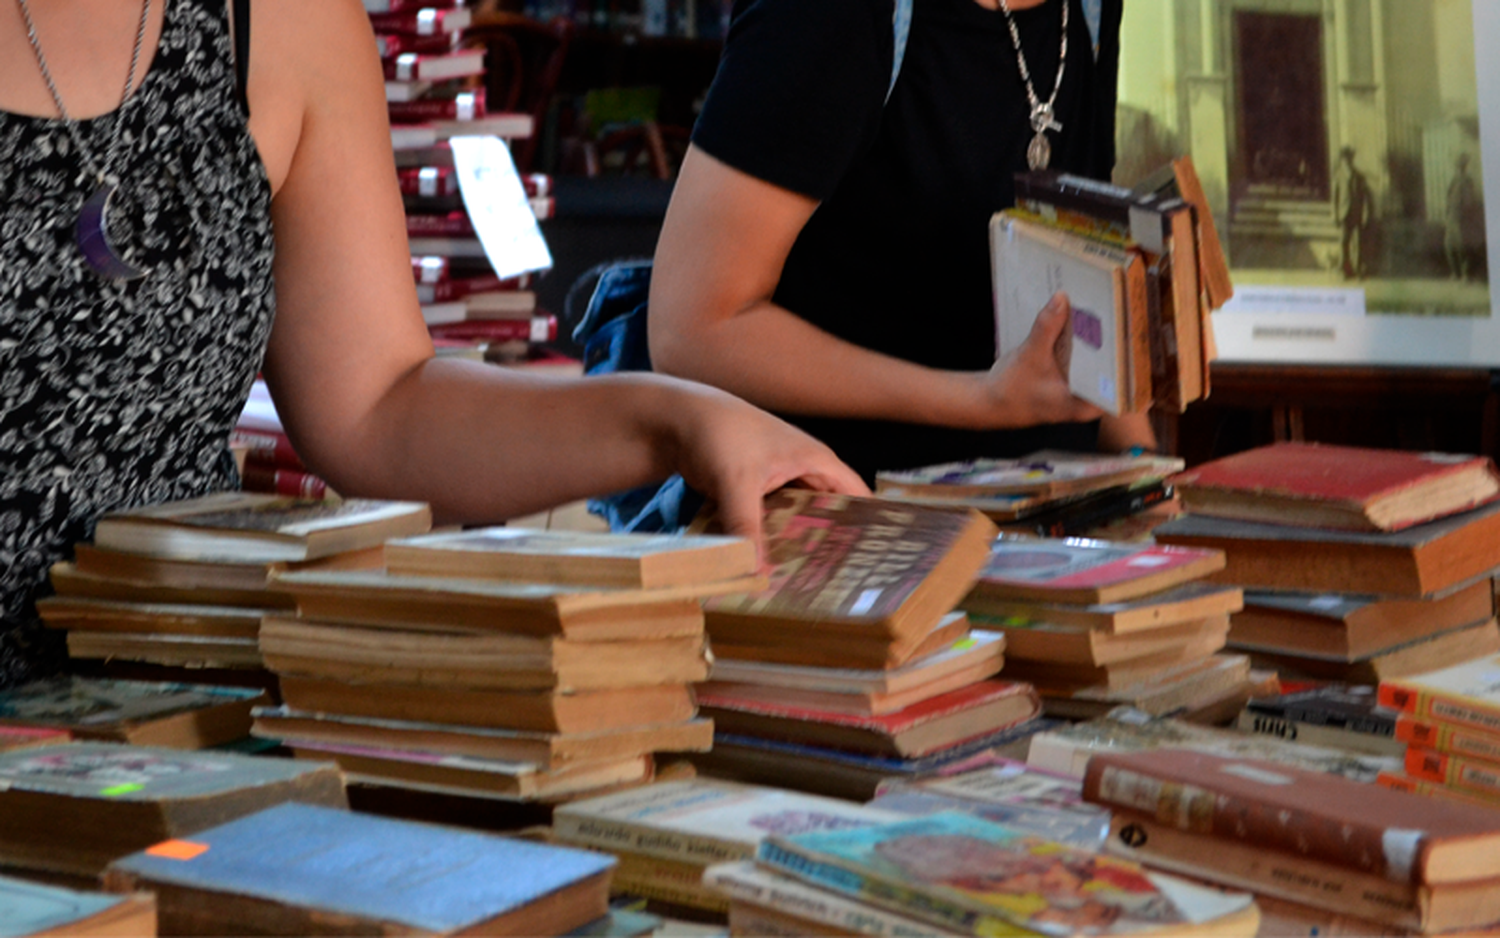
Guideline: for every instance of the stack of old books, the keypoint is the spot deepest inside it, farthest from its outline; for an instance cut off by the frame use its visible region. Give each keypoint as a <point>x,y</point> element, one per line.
<point>502,663</point>
<point>853,665</point>
<point>1449,721</point>
<point>182,587</point>
<point>146,713</point>
<point>1333,855</point>
<point>1359,565</point>
<point>1095,625</point>
<point>1048,493</point>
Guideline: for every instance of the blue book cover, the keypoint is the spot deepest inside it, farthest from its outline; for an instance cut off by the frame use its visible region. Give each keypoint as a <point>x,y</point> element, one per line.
<point>27,908</point>
<point>424,877</point>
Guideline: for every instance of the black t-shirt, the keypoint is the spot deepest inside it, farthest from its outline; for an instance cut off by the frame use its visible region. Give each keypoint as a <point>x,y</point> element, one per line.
<point>896,257</point>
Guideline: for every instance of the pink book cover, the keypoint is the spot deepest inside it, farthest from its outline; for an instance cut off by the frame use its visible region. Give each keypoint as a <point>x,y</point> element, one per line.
<point>943,705</point>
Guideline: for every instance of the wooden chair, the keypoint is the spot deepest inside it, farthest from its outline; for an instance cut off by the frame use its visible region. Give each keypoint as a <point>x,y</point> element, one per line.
<point>523,61</point>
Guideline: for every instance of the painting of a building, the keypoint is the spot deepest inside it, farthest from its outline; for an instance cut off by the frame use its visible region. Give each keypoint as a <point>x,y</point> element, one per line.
<point>1337,139</point>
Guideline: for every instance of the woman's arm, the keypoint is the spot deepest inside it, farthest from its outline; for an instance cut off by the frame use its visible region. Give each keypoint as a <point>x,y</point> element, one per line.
<point>350,362</point>
<point>726,237</point>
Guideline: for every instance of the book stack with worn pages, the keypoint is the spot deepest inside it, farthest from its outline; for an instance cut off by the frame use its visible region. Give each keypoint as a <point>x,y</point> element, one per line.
<point>1095,625</point>
<point>502,663</point>
<point>179,590</point>
<point>1449,722</point>
<point>666,835</point>
<point>852,665</point>
<point>1142,268</point>
<point>146,713</point>
<point>1048,493</point>
<point>299,869</point>
<point>1358,565</point>
<point>955,874</point>
<point>1337,848</point>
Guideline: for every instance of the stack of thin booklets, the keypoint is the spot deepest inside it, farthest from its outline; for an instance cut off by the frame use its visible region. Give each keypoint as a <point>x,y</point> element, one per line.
<point>1143,269</point>
<point>956,874</point>
<point>1095,625</point>
<point>1048,493</point>
<point>1331,852</point>
<point>666,835</point>
<point>503,663</point>
<point>1449,722</point>
<point>1358,564</point>
<point>853,665</point>
<point>180,589</point>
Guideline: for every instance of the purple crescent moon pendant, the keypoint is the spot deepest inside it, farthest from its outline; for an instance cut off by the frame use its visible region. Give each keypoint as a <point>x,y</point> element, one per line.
<point>92,235</point>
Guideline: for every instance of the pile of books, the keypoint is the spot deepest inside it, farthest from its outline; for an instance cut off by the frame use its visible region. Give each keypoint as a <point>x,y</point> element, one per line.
<point>1095,625</point>
<point>1346,716</point>
<point>1143,269</point>
<point>1449,722</point>
<point>1335,855</point>
<point>853,665</point>
<point>1048,493</point>
<point>502,663</point>
<point>434,92</point>
<point>144,713</point>
<point>183,586</point>
<point>1358,565</point>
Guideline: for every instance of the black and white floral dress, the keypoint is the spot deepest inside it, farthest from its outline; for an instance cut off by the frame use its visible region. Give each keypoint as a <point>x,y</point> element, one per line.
<point>121,394</point>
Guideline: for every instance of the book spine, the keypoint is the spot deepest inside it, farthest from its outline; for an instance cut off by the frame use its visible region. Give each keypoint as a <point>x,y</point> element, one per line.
<point>610,835</point>
<point>1231,817</point>
<point>892,895</point>
<point>1447,739</point>
<point>267,448</point>
<point>1421,786</point>
<point>1454,771</point>
<point>533,329</point>
<point>649,887</point>
<point>1441,708</point>
<point>819,906</point>
<point>418,22</point>
<point>463,107</point>
<point>1314,734</point>
<point>283,482</point>
<point>467,286</point>
<point>427,181</point>
<point>390,45</point>
<point>452,225</point>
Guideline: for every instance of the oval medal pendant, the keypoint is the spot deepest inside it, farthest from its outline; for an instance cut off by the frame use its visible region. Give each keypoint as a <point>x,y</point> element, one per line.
<point>1039,152</point>
<point>92,237</point>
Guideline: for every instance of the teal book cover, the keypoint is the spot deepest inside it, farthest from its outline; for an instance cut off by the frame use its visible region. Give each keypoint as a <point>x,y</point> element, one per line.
<point>141,773</point>
<point>978,877</point>
<point>27,908</point>
<point>433,879</point>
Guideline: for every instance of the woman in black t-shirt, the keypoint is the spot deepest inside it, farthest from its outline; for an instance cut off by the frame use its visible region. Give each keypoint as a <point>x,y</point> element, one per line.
<point>826,251</point>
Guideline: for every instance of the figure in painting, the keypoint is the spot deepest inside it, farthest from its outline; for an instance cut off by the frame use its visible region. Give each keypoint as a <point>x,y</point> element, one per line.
<point>1355,210</point>
<point>1463,223</point>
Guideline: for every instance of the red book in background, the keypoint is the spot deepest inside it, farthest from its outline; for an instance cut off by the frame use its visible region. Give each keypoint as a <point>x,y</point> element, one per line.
<point>1090,572</point>
<point>441,67</point>
<point>451,225</point>
<point>275,481</point>
<point>465,106</point>
<point>931,725</point>
<point>541,328</point>
<point>390,45</point>
<point>269,448</point>
<point>373,7</point>
<point>1339,487</point>
<point>428,181</point>
<point>457,289</point>
<point>428,21</point>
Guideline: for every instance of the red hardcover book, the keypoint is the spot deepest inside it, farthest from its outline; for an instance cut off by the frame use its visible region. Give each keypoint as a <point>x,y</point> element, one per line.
<point>465,106</point>
<point>410,66</point>
<point>541,328</point>
<point>451,225</point>
<point>390,45</point>
<point>1341,487</point>
<point>430,269</point>
<point>537,185</point>
<point>270,448</point>
<point>1088,572</point>
<point>929,726</point>
<point>1404,838</point>
<point>456,289</point>
<point>282,482</point>
<point>400,6</point>
<point>428,21</point>
<point>428,181</point>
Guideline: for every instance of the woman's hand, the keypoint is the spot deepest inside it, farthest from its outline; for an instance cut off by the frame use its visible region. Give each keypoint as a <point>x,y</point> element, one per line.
<point>1030,385</point>
<point>735,453</point>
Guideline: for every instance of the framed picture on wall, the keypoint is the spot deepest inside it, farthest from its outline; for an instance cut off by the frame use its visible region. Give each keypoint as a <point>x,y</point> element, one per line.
<point>1346,147</point>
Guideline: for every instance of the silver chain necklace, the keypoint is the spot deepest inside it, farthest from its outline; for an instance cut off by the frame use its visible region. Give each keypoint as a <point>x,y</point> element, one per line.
<point>1043,119</point>
<point>92,229</point>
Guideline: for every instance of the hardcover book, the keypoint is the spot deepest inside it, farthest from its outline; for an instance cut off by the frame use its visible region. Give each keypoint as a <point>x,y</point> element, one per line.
<point>702,821</point>
<point>301,869</point>
<point>920,729</point>
<point>1386,833</point>
<point>71,808</point>
<point>642,561</point>
<point>1419,561</point>
<point>180,716</point>
<point>1339,715</point>
<point>974,877</point>
<point>854,568</point>
<point>42,911</point>
<point>247,527</point>
<point>1350,488</point>
<point>1081,571</point>
<point>1418,656</point>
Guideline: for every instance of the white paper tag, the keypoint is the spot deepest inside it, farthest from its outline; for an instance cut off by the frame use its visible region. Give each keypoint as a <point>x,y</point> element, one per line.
<point>406,66</point>
<point>498,207</point>
<point>428,22</point>
<point>465,106</point>
<point>427,181</point>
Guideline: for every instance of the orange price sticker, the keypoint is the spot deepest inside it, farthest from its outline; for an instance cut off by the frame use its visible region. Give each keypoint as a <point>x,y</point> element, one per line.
<point>177,850</point>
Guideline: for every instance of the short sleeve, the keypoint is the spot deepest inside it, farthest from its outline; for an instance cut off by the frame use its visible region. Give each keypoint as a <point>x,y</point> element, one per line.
<point>799,90</point>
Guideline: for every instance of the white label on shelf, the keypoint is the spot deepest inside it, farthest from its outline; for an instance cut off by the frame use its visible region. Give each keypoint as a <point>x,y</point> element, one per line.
<point>497,205</point>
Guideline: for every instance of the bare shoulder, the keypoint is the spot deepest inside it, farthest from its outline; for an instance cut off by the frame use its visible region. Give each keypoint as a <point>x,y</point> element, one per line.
<point>305,57</point>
